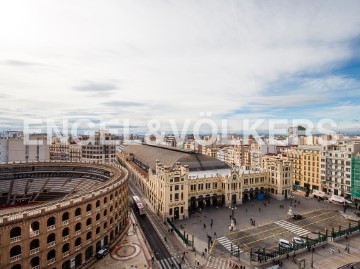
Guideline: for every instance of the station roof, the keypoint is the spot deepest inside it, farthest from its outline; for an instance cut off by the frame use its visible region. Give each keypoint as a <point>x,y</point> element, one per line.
<point>148,154</point>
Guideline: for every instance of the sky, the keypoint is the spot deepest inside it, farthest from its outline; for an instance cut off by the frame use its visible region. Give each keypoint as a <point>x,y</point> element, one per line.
<point>144,60</point>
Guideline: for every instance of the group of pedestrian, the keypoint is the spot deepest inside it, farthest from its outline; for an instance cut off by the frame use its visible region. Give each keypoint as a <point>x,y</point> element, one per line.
<point>277,262</point>
<point>252,222</point>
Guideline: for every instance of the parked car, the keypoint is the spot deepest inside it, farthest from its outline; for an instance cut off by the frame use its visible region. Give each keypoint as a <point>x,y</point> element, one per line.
<point>297,216</point>
<point>284,243</point>
<point>299,241</point>
<point>102,253</point>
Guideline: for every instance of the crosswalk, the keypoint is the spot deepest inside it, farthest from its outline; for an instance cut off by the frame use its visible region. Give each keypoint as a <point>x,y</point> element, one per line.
<point>226,243</point>
<point>292,227</point>
<point>172,263</point>
<point>217,263</point>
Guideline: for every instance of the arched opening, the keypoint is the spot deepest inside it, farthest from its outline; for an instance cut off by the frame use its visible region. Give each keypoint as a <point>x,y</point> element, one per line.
<point>111,208</point>
<point>78,241</point>
<point>34,244</point>
<point>65,216</point>
<point>78,212</point>
<point>97,203</point>
<point>78,227</point>
<point>88,253</point>
<point>111,197</point>
<point>97,216</point>
<point>65,248</point>
<point>15,232</point>
<point>105,200</point>
<point>88,236</point>
<point>78,260</point>
<point>98,246</point>
<point>105,212</point>
<point>66,265</point>
<point>111,236</point>
<point>111,221</point>
<point>97,230</point>
<point>51,238</point>
<point>51,255</point>
<point>17,266</point>
<point>106,240</point>
<point>34,227</point>
<point>35,261</point>
<point>14,251</point>
<point>51,221</point>
<point>65,232</point>
<point>105,225</point>
<point>88,208</point>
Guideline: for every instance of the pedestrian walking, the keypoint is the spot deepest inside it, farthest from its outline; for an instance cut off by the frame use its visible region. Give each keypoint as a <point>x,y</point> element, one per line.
<point>203,254</point>
<point>210,224</point>
<point>230,216</point>
<point>251,221</point>
<point>204,226</point>
<point>259,209</point>
<point>215,234</point>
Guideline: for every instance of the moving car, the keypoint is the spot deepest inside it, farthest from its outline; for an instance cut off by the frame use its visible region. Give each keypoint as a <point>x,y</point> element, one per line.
<point>102,253</point>
<point>299,241</point>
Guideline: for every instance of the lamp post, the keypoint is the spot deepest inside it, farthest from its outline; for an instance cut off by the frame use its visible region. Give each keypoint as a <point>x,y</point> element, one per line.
<point>312,258</point>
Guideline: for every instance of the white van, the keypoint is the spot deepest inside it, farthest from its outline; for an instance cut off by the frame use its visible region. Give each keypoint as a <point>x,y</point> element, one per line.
<point>299,241</point>
<point>284,243</point>
<point>318,194</point>
<point>339,200</point>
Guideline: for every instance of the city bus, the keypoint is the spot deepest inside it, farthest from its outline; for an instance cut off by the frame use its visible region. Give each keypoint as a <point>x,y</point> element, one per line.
<point>138,205</point>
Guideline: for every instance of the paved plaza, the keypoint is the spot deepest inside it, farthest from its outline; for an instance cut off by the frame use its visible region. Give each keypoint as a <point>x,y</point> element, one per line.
<point>271,223</point>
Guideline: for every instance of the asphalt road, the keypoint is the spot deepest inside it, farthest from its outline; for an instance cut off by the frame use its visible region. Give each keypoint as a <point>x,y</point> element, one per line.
<point>156,244</point>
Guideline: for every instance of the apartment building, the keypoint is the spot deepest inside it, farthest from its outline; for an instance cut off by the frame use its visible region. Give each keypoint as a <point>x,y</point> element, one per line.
<point>280,175</point>
<point>336,166</point>
<point>20,150</point>
<point>101,148</point>
<point>355,178</point>
<point>4,147</point>
<point>258,150</point>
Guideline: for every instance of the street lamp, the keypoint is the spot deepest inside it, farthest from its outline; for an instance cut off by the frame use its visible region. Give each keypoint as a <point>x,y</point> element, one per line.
<point>312,258</point>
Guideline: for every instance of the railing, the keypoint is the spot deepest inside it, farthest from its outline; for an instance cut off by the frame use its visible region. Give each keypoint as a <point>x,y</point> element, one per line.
<point>77,247</point>
<point>88,227</point>
<point>65,222</point>
<point>78,217</point>
<point>36,267</point>
<point>66,237</point>
<point>97,222</point>
<point>49,245</point>
<point>34,233</point>
<point>34,251</point>
<point>88,241</point>
<point>51,261</point>
<point>98,209</point>
<point>51,227</point>
<point>88,213</point>
<point>77,232</point>
<point>15,258</point>
<point>97,236</point>
<point>15,239</point>
<point>65,254</point>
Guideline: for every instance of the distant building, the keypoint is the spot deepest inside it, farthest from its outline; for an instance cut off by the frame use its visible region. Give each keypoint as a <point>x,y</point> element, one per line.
<point>19,150</point>
<point>294,133</point>
<point>101,149</point>
<point>355,178</point>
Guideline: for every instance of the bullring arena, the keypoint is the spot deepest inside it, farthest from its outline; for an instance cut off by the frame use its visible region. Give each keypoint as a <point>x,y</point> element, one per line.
<point>58,214</point>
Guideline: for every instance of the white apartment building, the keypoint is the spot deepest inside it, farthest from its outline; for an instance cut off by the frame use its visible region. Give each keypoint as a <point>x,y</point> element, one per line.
<point>257,151</point>
<point>336,166</point>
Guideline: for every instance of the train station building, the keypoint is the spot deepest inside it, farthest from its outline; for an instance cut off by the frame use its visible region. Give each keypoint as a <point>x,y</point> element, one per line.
<point>178,182</point>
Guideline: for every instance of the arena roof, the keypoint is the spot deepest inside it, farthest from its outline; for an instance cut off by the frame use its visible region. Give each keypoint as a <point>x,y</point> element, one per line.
<point>148,154</point>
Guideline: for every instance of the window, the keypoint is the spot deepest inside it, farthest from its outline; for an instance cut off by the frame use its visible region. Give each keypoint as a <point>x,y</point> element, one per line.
<point>176,197</point>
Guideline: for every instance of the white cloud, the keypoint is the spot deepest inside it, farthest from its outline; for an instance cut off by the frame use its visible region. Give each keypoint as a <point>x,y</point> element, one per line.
<point>178,57</point>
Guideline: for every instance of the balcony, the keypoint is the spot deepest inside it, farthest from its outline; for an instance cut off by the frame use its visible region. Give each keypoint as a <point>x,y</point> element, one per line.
<point>65,254</point>
<point>77,248</point>
<point>77,232</point>
<point>97,236</point>
<point>88,213</point>
<point>105,205</point>
<point>97,222</point>
<point>88,227</point>
<point>51,261</point>
<point>66,237</point>
<point>36,267</point>
<point>51,227</point>
<point>78,217</point>
<point>15,239</point>
<point>98,209</point>
<point>34,233</point>
<point>34,251</point>
<point>51,244</point>
<point>65,222</point>
<point>15,258</point>
<point>88,241</point>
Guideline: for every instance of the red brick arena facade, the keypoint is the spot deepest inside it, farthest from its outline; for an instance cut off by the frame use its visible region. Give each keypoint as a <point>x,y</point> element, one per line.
<point>58,214</point>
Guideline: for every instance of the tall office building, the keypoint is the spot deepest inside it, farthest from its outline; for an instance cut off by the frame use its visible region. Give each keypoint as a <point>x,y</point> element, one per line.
<point>295,134</point>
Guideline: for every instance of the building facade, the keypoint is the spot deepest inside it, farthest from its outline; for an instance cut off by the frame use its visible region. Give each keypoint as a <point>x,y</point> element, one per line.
<point>19,150</point>
<point>355,178</point>
<point>101,149</point>
<point>178,182</point>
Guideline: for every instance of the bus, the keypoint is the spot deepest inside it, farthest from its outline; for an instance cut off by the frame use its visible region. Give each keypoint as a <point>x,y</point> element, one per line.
<point>139,205</point>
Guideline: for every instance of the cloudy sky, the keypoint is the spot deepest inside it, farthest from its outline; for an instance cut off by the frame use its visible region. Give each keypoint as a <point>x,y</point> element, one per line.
<point>142,60</point>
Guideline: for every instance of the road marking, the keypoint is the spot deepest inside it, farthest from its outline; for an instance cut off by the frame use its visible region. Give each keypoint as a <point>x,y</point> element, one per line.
<point>231,247</point>
<point>292,227</point>
<point>212,246</point>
